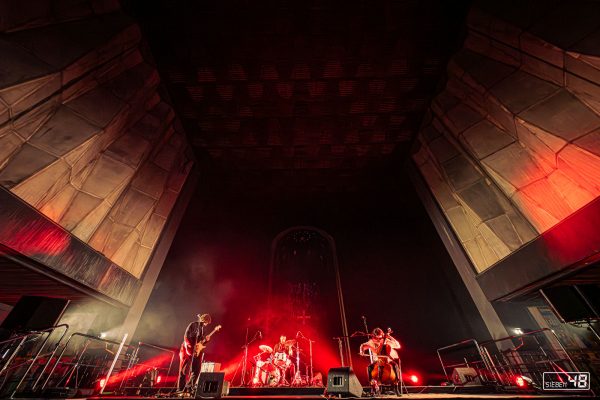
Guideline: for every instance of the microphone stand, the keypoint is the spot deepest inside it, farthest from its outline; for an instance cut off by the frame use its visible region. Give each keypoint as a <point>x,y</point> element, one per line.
<point>297,379</point>
<point>372,357</point>
<point>245,359</point>
<point>310,356</point>
<point>339,339</point>
<point>245,356</point>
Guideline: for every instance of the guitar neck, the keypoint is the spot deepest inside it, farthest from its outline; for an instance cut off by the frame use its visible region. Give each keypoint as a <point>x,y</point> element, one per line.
<point>210,334</point>
<point>207,337</point>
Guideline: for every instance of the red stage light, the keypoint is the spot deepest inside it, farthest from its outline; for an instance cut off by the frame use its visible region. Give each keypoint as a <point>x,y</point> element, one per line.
<point>102,382</point>
<point>158,379</point>
<point>520,381</point>
<point>414,378</point>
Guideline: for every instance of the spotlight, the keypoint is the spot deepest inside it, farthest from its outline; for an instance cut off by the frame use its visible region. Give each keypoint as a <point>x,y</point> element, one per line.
<point>523,382</point>
<point>102,382</point>
<point>518,331</point>
<point>414,378</point>
<point>158,379</point>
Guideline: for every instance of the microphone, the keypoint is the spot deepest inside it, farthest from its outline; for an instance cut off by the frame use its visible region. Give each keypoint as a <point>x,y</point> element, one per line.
<point>363,317</point>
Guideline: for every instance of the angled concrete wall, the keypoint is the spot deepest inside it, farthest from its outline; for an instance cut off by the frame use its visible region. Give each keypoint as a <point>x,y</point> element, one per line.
<point>512,144</point>
<point>85,136</point>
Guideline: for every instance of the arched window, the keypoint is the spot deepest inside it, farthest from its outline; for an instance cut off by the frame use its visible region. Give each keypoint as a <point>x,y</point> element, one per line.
<point>305,293</point>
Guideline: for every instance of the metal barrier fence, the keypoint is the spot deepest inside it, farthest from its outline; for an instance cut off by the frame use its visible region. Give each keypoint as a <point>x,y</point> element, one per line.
<point>529,354</point>
<point>20,355</point>
<point>149,365</point>
<point>499,362</point>
<point>85,362</point>
<point>42,362</point>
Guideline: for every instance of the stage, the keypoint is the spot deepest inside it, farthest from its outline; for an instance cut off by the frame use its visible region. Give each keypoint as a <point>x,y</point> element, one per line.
<point>411,396</point>
<point>309,393</point>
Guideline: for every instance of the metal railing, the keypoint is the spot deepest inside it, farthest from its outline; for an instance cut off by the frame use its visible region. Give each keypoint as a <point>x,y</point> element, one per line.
<point>85,366</point>
<point>143,363</point>
<point>529,354</point>
<point>41,362</point>
<point>499,362</point>
<point>30,347</point>
<point>466,354</point>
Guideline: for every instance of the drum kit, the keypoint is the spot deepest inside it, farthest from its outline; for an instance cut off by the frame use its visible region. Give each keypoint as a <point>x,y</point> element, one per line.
<point>272,368</point>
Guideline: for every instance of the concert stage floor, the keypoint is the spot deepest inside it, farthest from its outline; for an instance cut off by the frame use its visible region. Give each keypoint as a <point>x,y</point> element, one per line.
<point>318,393</point>
<point>411,396</point>
<point>417,393</point>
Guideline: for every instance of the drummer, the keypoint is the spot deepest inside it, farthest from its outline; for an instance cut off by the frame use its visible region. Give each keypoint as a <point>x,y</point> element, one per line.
<point>282,346</point>
<point>286,365</point>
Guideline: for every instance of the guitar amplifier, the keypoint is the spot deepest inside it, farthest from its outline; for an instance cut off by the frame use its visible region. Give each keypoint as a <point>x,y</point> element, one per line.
<point>209,366</point>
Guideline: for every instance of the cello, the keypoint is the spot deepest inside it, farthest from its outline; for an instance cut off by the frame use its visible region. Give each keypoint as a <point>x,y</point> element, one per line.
<point>383,370</point>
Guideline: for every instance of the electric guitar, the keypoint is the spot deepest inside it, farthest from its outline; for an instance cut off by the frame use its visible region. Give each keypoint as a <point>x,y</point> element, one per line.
<point>201,345</point>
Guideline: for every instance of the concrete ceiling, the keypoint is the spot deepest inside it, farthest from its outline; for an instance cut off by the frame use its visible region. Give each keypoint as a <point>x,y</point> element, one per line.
<point>301,94</point>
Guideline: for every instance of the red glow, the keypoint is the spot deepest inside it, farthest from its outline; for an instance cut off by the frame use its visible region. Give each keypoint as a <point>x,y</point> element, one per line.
<point>520,381</point>
<point>158,379</point>
<point>36,239</point>
<point>230,366</point>
<point>414,378</point>
<point>138,369</point>
<point>102,382</point>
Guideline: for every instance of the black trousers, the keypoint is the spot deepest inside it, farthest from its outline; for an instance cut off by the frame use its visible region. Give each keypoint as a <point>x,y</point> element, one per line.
<point>189,368</point>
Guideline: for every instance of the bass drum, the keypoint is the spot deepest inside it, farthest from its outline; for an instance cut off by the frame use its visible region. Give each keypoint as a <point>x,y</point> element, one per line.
<point>266,374</point>
<point>281,359</point>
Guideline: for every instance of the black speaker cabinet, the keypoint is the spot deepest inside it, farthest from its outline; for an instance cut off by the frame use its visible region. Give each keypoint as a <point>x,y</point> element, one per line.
<point>211,385</point>
<point>343,382</point>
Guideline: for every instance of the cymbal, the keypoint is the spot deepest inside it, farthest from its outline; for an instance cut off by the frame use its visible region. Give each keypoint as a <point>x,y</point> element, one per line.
<point>265,348</point>
<point>290,342</point>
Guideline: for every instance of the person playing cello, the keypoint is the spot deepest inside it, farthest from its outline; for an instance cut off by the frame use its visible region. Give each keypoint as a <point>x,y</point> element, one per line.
<point>383,348</point>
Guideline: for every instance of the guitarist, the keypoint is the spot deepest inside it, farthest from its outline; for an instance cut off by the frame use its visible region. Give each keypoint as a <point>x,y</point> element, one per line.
<point>189,356</point>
